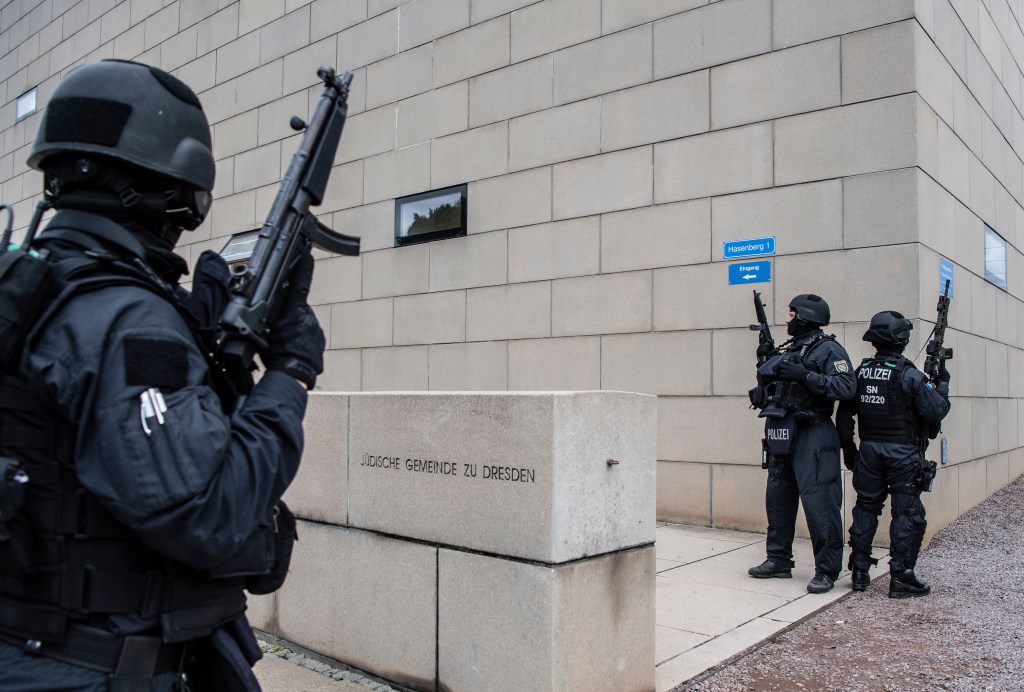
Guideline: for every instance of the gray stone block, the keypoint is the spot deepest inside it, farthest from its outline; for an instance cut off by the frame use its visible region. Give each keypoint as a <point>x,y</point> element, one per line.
<point>399,368</point>
<point>604,65</point>
<point>511,91</point>
<point>532,463</point>
<point>506,201</point>
<point>469,156</point>
<point>436,113</point>
<point>604,304</point>
<point>478,49</point>
<point>831,143</point>
<point>666,109</point>
<point>718,33</point>
<point>661,363</point>
<point>518,311</point>
<point>785,82</point>
<point>665,235</point>
<point>320,489</point>
<point>481,366</point>
<point>476,260</point>
<point>560,619</point>
<point>608,182</point>
<point>554,135</point>
<point>544,27</point>
<point>800,21</point>
<point>554,250</point>
<point>397,641</point>
<point>430,318</point>
<point>623,14</point>
<point>566,364</point>
<point>742,161</point>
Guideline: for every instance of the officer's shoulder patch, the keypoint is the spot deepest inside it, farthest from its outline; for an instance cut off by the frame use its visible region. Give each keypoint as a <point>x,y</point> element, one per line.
<point>152,362</point>
<point>841,366</point>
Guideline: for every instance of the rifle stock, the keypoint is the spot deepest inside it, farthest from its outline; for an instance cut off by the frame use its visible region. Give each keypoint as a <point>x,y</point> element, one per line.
<point>258,287</point>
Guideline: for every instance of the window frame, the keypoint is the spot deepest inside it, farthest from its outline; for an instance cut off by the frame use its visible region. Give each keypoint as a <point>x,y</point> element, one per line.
<point>403,240</point>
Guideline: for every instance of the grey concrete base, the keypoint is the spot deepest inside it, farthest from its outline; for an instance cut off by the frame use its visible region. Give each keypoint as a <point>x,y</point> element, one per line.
<point>586,625</point>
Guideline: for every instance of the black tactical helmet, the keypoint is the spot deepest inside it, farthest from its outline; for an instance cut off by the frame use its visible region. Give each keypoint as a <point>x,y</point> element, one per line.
<point>131,113</point>
<point>811,309</point>
<point>889,328</point>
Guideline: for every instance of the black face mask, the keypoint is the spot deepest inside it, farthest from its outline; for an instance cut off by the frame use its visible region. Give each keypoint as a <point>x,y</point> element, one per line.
<point>798,327</point>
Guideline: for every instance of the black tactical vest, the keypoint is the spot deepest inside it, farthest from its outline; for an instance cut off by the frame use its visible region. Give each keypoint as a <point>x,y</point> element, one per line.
<point>63,557</point>
<point>885,412</point>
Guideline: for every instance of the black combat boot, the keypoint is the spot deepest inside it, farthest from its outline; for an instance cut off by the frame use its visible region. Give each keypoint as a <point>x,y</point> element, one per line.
<point>860,578</point>
<point>769,568</point>
<point>821,583</point>
<point>905,584</point>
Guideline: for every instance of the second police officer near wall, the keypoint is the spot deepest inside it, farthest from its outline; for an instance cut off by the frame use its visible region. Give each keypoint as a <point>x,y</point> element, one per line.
<point>897,410</point>
<point>797,387</point>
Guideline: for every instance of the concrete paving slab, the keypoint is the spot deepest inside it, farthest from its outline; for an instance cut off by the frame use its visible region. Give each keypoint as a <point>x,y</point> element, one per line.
<point>670,642</point>
<point>707,609</point>
<point>278,675</point>
<point>687,547</point>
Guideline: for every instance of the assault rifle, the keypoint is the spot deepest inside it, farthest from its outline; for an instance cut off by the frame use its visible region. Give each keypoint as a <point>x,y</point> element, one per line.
<point>766,344</point>
<point>937,354</point>
<point>259,285</point>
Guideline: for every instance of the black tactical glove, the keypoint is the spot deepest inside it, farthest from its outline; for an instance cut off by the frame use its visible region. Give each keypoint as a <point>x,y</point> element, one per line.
<point>296,343</point>
<point>764,350</point>
<point>792,370</point>
<point>943,386</point>
<point>850,457</point>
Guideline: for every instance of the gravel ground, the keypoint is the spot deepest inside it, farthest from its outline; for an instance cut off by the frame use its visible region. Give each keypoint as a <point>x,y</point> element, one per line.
<point>966,635</point>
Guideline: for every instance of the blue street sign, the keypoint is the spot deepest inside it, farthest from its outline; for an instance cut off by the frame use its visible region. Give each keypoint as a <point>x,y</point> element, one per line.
<point>750,272</point>
<point>748,248</point>
<point>945,274</point>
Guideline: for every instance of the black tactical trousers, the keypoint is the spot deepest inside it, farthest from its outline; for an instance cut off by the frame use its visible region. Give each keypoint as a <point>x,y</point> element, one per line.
<point>888,468</point>
<point>808,475</point>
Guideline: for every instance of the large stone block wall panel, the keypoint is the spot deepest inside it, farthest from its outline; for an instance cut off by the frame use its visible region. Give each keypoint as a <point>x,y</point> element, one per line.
<point>566,364</point>
<point>1016,463</point>
<point>996,369</point>
<point>957,428</point>
<point>720,429</point>
<point>396,173</point>
<point>439,112</point>
<point>796,80</point>
<point>478,49</point>
<point>512,91</point>
<point>362,323</point>
<point>368,133</point>
<point>342,371</point>
<point>973,483</point>
<point>524,475</point>
<point>556,134</point>
<point>737,496</point>
<point>844,279</point>
<point>519,199</point>
<point>997,473</point>
<point>468,156</point>
<point>803,218</point>
<point>588,625</point>
<point>800,21</point>
<point>665,235</point>
<point>880,208</point>
<point>603,304</point>
<point>636,116</point>
<point>832,143</point>
<point>607,64</point>
<point>657,363</point>
<point>604,183</point>
<point>733,355</point>
<point>518,311</point>
<point>368,42</point>
<point>425,20</point>
<point>401,368</point>
<point>336,280</point>
<point>320,489</point>
<point>555,250</point>
<point>430,318</point>
<point>547,26</point>
<point>718,33</point>
<point>622,14</point>
<point>373,223</point>
<point>878,62</point>
<point>480,259</point>
<point>985,428</point>
<point>479,366</point>
<point>684,492</point>
<point>261,611</point>
<point>396,642</point>
<point>742,156</point>
<point>396,271</point>
<point>941,504</point>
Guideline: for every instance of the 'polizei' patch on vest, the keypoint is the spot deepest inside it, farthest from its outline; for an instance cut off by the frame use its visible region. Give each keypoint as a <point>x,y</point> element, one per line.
<point>841,366</point>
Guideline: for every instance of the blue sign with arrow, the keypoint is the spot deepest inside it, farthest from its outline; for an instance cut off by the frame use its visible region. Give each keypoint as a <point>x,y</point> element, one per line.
<point>750,272</point>
<point>752,247</point>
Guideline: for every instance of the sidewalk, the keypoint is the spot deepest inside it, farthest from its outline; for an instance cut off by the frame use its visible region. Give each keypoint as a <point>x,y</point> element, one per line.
<point>708,610</point>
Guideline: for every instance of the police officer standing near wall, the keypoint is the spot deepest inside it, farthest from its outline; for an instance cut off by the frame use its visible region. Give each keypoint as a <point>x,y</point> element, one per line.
<point>796,391</point>
<point>151,502</point>
<point>897,410</point>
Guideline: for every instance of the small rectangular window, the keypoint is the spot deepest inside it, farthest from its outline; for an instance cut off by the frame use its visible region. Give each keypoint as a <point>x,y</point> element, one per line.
<point>995,258</point>
<point>430,215</point>
<point>26,105</point>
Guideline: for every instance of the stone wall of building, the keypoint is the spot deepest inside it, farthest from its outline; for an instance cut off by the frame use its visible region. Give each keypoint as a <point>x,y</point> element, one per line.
<point>610,147</point>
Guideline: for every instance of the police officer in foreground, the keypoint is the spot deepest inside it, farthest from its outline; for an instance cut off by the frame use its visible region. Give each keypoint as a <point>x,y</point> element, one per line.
<point>897,410</point>
<point>797,388</point>
<point>151,501</point>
